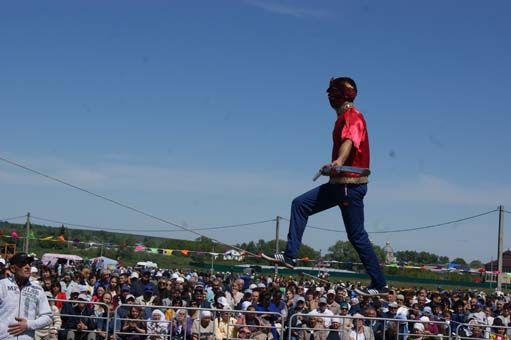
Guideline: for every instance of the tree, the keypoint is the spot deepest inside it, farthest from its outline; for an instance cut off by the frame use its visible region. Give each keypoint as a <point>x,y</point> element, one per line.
<point>475,264</point>
<point>459,261</point>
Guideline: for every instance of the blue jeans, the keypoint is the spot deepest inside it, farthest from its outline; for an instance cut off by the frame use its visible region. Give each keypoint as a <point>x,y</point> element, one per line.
<point>350,199</point>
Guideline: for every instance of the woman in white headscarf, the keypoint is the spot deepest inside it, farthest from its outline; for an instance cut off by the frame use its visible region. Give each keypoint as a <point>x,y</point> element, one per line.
<point>157,326</point>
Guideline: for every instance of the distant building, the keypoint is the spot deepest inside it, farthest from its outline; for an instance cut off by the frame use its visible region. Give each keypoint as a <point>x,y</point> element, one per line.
<point>389,254</point>
<point>506,263</point>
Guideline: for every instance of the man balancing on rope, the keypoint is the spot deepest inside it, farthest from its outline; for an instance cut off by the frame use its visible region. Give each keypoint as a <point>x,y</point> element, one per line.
<point>344,189</point>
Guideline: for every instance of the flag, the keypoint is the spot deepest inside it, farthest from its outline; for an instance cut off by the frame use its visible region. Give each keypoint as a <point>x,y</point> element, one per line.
<point>153,250</point>
<point>139,248</point>
<point>167,252</point>
<point>47,238</point>
<point>184,251</point>
<point>61,238</point>
<point>14,234</point>
<point>31,235</point>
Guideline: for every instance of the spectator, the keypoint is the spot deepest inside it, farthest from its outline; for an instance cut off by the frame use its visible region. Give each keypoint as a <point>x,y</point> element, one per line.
<point>107,317</point>
<point>333,306</point>
<point>113,287</point>
<point>51,331</point>
<point>133,328</point>
<point>361,331</point>
<point>181,326</point>
<point>203,328</point>
<point>258,327</point>
<point>225,324</point>
<point>58,294</point>
<point>157,328</point>
<point>313,329</point>
<point>80,324</point>
<point>323,312</point>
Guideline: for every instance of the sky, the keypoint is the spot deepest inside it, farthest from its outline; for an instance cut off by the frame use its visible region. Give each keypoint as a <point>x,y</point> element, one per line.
<point>211,113</point>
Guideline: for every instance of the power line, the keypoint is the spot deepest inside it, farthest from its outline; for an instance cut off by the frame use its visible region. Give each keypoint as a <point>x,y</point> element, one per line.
<point>409,228</point>
<point>150,231</point>
<point>122,205</point>
<point>12,218</point>
<point>509,212</point>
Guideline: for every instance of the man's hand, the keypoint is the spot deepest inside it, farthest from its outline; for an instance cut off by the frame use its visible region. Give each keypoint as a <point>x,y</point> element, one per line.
<point>336,163</point>
<point>18,328</point>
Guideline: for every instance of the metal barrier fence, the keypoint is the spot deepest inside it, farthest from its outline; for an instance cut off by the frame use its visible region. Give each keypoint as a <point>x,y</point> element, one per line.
<point>103,322</point>
<point>478,330</point>
<point>349,327</point>
<point>83,317</point>
<point>199,323</point>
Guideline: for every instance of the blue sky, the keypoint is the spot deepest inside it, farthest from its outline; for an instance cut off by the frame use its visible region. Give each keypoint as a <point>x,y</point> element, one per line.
<point>214,112</point>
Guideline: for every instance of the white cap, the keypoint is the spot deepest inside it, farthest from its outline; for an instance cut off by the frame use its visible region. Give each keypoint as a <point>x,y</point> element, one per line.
<point>33,270</point>
<point>223,301</point>
<point>174,276</point>
<point>180,280</point>
<point>134,275</point>
<point>252,286</point>
<point>261,285</point>
<point>205,313</point>
<point>418,326</point>
<point>245,305</point>
<point>2,261</point>
<point>330,291</point>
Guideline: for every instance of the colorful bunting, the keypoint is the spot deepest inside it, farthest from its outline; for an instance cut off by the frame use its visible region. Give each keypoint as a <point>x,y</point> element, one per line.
<point>61,238</point>
<point>31,235</point>
<point>14,234</point>
<point>153,250</point>
<point>185,251</point>
<point>47,238</point>
<point>167,252</point>
<point>139,248</point>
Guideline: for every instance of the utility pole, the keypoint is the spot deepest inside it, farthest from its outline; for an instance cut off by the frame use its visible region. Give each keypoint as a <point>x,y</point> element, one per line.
<point>277,223</point>
<point>27,226</point>
<point>500,247</point>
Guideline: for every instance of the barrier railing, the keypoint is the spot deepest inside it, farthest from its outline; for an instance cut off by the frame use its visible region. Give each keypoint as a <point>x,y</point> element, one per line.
<point>93,319</point>
<point>477,330</point>
<point>207,323</point>
<point>107,323</point>
<point>349,327</point>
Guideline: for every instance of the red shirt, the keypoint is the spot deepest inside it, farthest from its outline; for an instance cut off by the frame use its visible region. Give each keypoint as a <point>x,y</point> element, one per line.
<point>352,125</point>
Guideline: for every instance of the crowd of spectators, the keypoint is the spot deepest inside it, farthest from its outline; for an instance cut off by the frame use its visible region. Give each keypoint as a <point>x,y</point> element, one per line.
<point>130,304</point>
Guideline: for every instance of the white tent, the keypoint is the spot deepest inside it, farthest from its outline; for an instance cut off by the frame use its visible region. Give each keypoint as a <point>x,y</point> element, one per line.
<point>104,262</point>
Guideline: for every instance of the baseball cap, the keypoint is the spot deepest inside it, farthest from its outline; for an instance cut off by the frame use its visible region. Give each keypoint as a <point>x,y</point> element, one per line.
<point>393,304</point>
<point>33,270</point>
<point>125,287</point>
<point>344,304</point>
<point>130,296</point>
<point>261,285</point>
<point>2,261</point>
<point>252,286</point>
<point>134,275</point>
<point>400,297</point>
<point>426,310</point>
<point>330,291</point>
<point>21,259</point>
<point>322,300</point>
<point>148,289</point>
<point>300,299</point>
<point>82,297</point>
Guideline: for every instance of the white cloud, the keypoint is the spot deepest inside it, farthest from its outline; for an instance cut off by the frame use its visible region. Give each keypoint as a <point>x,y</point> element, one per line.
<point>285,8</point>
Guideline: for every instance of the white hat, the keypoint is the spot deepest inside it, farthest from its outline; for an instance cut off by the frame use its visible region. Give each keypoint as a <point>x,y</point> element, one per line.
<point>252,286</point>
<point>174,276</point>
<point>330,291</point>
<point>223,301</point>
<point>2,261</point>
<point>180,280</point>
<point>261,285</point>
<point>33,270</point>
<point>134,275</point>
<point>424,318</point>
<point>245,305</point>
<point>418,326</point>
<point>205,313</point>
